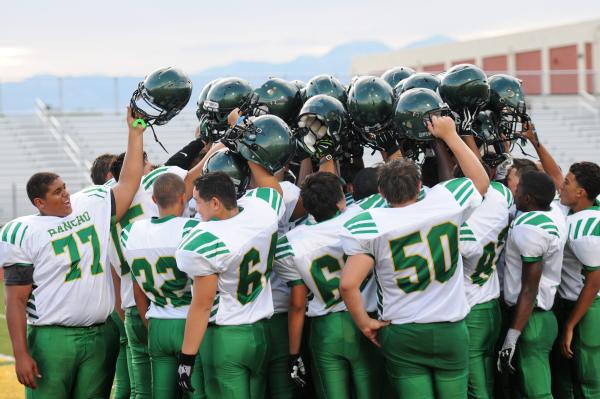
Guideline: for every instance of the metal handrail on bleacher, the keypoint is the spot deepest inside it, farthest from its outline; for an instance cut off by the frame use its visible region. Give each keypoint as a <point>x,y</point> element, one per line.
<point>65,141</point>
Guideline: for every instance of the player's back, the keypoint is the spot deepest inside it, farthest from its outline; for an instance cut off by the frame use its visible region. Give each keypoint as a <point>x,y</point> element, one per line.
<point>416,251</point>
<point>240,250</point>
<point>149,246</point>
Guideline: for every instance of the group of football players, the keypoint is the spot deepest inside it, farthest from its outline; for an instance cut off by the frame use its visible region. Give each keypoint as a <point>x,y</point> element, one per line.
<point>264,260</point>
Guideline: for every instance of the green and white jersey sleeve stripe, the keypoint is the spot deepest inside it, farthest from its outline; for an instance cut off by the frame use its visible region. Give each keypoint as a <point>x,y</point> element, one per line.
<point>461,189</point>
<point>14,232</point>
<point>361,224</point>
<point>204,243</point>
<point>96,191</point>
<point>502,189</point>
<point>538,219</point>
<point>269,195</point>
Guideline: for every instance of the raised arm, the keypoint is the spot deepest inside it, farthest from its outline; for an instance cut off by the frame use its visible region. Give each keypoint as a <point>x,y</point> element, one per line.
<point>133,167</point>
<point>263,178</point>
<point>548,163</point>
<point>196,171</point>
<point>444,128</point>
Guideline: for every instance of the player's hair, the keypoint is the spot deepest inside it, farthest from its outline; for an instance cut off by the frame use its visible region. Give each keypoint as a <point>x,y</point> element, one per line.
<point>539,186</point>
<point>399,180</point>
<point>37,185</point>
<point>365,183</point>
<point>117,165</point>
<point>101,167</point>
<point>587,175</point>
<point>523,165</point>
<point>348,171</point>
<point>167,189</point>
<point>320,193</point>
<point>217,185</point>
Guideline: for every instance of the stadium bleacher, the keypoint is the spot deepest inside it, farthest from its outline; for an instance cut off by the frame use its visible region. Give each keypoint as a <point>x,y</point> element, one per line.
<point>67,143</point>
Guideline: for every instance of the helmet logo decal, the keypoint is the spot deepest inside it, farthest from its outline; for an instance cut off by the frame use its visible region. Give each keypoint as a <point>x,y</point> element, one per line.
<point>211,105</point>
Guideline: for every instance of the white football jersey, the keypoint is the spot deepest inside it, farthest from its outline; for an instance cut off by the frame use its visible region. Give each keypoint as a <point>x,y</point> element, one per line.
<point>149,247</point>
<point>240,250</point>
<point>313,254</point>
<point>280,291</point>
<point>488,226</point>
<point>535,236</point>
<point>418,266</point>
<point>72,283</point>
<point>582,251</point>
<point>142,207</point>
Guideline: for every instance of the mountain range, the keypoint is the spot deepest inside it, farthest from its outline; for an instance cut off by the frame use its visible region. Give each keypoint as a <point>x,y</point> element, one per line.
<point>97,92</point>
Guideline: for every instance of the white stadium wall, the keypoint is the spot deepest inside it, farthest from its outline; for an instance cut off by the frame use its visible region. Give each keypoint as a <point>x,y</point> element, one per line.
<point>555,60</point>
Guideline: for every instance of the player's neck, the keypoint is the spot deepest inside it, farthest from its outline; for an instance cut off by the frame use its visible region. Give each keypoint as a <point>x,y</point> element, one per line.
<point>582,205</point>
<point>403,204</point>
<point>227,213</point>
<point>170,211</point>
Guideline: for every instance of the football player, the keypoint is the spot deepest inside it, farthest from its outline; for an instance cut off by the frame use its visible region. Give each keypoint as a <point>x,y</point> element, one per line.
<point>100,170</point>
<point>229,255</point>
<point>142,207</point>
<point>309,258</point>
<point>578,306</point>
<point>101,174</point>
<point>58,281</point>
<point>487,228</point>
<point>149,247</point>
<point>533,263</point>
<point>413,247</point>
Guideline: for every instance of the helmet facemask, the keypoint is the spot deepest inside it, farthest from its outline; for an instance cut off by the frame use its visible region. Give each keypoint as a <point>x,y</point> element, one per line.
<point>313,127</point>
<point>511,120</point>
<point>143,107</point>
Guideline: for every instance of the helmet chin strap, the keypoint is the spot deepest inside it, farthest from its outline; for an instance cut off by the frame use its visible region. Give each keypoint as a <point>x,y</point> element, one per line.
<point>156,138</point>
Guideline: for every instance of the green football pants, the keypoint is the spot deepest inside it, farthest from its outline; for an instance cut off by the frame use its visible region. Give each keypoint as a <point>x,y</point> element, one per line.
<point>165,337</point>
<point>137,339</point>
<point>279,383</point>
<point>578,377</point>
<point>427,360</point>
<point>532,358</point>
<point>483,323</point>
<point>75,362</point>
<point>234,360</point>
<point>344,363</point>
<point>122,388</point>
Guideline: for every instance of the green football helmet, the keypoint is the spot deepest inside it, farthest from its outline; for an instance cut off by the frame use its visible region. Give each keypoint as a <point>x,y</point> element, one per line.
<point>485,126</point>
<point>414,108</point>
<point>201,98</point>
<point>321,116</point>
<point>161,95</point>
<point>396,75</point>
<point>223,97</point>
<point>266,140</point>
<point>466,90</point>
<point>507,100</point>
<point>234,165</point>
<point>301,86</point>
<point>371,108</point>
<point>420,80</point>
<point>326,84</point>
<point>279,97</point>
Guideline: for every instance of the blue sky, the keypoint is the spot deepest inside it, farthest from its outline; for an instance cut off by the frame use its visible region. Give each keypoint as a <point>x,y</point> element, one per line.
<point>132,37</point>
